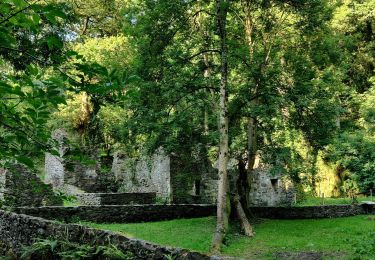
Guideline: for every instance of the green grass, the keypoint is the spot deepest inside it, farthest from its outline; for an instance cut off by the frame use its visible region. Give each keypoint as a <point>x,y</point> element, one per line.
<point>314,201</point>
<point>69,203</point>
<point>331,236</point>
<point>192,234</point>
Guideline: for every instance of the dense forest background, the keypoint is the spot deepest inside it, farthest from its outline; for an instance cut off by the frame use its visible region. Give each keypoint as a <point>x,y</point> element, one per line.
<point>290,82</point>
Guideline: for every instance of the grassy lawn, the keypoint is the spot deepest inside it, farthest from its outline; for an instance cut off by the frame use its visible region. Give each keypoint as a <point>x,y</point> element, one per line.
<point>314,201</point>
<point>333,237</point>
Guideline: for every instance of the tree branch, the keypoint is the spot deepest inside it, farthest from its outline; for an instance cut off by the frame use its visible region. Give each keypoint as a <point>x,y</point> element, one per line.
<point>203,11</point>
<point>199,53</point>
<point>16,13</point>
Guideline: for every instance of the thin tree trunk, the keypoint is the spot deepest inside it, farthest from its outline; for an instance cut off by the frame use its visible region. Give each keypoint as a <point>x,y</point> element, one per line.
<point>314,171</point>
<point>223,200</point>
<point>251,121</point>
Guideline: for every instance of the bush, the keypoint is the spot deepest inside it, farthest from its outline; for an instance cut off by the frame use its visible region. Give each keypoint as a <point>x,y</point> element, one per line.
<point>301,194</point>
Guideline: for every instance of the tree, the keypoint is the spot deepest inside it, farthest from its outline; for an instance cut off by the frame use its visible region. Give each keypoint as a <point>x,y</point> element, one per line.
<point>351,150</point>
<point>223,199</point>
<point>281,76</point>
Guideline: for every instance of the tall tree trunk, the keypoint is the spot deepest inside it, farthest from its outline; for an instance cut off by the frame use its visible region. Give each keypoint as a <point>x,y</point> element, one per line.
<point>251,121</point>
<point>223,199</point>
<point>245,175</point>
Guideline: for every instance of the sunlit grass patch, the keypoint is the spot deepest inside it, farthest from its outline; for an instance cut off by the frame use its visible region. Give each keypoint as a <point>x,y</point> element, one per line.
<point>331,237</point>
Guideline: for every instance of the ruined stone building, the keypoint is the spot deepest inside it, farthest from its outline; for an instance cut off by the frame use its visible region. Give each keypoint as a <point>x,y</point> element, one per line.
<point>159,173</point>
<point>270,190</point>
<point>172,178</point>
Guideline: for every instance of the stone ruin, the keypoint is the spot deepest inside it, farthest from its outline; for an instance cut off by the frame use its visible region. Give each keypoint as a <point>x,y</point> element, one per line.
<point>159,174</point>
<point>147,174</point>
<point>158,178</point>
<point>171,178</point>
<point>54,164</point>
<point>270,190</point>
<point>19,186</point>
<point>266,188</point>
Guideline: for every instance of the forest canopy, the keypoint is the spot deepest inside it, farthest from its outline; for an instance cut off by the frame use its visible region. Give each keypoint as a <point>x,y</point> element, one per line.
<point>290,82</point>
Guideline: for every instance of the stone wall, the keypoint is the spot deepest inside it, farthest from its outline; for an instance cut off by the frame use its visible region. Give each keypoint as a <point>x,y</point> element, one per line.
<point>116,198</point>
<point>2,183</point>
<point>85,177</point>
<point>209,185</point>
<point>270,190</point>
<point>193,179</point>
<point>64,173</point>
<point>146,174</point>
<point>329,211</point>
<point>68,175</point>
<point>120,214</point>
<point>18,230</point>
<point>175,179</point>
<point>147,213</point>
<point>53,164</point>
<point>20,186</point>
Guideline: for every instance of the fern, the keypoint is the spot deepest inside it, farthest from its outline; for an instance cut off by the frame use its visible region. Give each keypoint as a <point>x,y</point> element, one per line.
<point>64,250</point>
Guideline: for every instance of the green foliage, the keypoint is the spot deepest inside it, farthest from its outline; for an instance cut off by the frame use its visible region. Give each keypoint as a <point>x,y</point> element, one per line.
<point>175,105</point>
<point>30,48</point>
<point>356,20</point>
<point>66,198</point>
<point>352,147</point>
<point>32,33</point>
<point>114,53</point>
<point>355,152</point>
<point>57,249</point>
<point>367,110</point>
<point>301,195</point>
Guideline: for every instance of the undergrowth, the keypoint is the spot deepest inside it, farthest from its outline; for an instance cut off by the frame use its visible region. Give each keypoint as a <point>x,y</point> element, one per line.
<point>46,249</point>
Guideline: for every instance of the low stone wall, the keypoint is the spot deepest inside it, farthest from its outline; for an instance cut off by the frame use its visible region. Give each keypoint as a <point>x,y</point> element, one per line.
<point>328,211</point>
<point>369,207</point>
<point>146,213</point>
<point>17,230</point>
<point>116,198</point>
<point>120,214</point>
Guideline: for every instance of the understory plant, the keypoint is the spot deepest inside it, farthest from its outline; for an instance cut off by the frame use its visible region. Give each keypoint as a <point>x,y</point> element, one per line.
<point>58,249</point>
